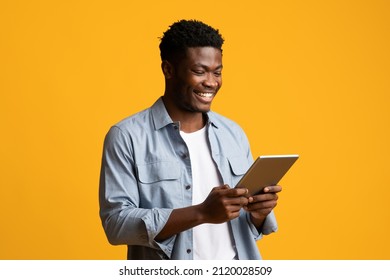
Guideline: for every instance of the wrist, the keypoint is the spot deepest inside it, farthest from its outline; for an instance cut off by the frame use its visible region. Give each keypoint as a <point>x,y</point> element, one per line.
<point>257,220</point>
<point>200,216</point>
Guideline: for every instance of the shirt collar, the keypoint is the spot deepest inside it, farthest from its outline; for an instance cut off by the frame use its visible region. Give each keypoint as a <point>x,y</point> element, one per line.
<point>211,119</point>
<point>161,117</point>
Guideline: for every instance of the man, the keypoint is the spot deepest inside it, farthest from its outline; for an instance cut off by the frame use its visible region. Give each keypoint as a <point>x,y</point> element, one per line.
<point>168,173</point>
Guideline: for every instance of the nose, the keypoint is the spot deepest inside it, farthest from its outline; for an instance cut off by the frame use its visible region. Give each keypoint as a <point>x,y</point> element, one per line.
<point>211,81</point>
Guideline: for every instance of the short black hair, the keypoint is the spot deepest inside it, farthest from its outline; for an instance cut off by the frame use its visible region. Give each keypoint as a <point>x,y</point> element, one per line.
<point>185,34</point>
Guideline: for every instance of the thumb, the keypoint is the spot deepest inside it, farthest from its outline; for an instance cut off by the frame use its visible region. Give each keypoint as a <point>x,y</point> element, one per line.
<point>223,187</point>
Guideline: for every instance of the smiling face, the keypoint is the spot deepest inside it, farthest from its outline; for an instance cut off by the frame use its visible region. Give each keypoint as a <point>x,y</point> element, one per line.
<point>193,82</point>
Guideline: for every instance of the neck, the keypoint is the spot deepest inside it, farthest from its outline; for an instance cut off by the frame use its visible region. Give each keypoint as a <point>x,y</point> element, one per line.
<point>189,126</point>
<point>189,121</point>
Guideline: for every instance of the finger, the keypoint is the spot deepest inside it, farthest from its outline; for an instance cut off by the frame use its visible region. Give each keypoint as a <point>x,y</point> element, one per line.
<point>236,192</point>
<point>272,189</point>
<point>220,189</point>
<point>238,201</point>
<point>223,187</point>
<point>250,208</point>
<point>232,211</point>
<point>234,208</point>
<point>233,214</point>
<point>262,213</point>
<point>260,206</point>
<point>240,187</point>
<point>263,197</point>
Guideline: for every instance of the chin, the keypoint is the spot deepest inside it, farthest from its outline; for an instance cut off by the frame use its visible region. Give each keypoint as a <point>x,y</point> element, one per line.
<point>202,109</point>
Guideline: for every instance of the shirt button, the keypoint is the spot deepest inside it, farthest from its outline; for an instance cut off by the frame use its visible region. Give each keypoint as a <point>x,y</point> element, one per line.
<point>188,251</point>
<point>188,187</point>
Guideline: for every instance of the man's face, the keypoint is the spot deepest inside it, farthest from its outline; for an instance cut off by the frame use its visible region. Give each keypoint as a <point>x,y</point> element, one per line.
<point>196,79</point>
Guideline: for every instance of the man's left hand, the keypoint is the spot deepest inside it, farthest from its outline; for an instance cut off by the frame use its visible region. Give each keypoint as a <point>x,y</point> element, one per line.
<point>262,204</point>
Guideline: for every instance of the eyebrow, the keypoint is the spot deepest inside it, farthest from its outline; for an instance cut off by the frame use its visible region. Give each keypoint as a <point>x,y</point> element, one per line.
<point>207,67</point>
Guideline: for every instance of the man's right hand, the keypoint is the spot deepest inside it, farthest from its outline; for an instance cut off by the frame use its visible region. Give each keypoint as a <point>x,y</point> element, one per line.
<point>223,204</point>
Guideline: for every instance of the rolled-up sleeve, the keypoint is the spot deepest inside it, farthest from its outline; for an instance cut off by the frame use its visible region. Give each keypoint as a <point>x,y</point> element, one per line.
<point>123,220</point>
<point>269,226</point>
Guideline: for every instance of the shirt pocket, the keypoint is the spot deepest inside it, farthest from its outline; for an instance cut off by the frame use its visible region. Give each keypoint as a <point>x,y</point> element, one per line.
<point>238,167</point>
<point>159,184</point>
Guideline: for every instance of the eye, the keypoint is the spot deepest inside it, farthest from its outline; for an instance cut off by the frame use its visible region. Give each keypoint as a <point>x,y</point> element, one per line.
<point>198,72</point>
<point>218,74</point>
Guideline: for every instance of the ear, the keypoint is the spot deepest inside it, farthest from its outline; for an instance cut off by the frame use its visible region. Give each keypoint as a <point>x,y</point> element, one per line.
<point>168,69</point>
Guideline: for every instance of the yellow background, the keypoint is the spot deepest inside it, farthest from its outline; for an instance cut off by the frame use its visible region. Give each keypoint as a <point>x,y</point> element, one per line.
<point>306,77</point>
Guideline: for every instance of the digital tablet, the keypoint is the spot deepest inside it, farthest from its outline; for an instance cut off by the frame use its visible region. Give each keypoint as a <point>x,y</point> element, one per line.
<point>266,171</point>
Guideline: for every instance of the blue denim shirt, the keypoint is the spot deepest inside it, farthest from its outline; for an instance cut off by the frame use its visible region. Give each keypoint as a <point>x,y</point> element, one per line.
<point>146,173</point>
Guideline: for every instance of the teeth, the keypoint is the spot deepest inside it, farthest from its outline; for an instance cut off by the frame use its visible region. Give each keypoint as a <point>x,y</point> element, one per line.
<point>205,94</point>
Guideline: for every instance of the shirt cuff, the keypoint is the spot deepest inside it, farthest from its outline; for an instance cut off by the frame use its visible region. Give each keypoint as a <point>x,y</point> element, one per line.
<point>154,224</point>
<point>269,226</point>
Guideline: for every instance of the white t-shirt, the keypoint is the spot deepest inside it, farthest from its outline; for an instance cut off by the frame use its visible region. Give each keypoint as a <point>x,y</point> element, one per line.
<point>211,241</point>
